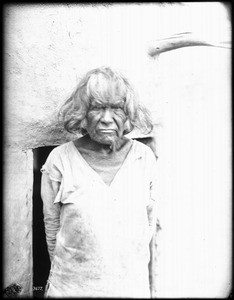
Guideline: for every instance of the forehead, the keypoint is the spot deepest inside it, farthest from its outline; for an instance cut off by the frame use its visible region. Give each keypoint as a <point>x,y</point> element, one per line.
<point>109,90</point>
<point>107,101</point>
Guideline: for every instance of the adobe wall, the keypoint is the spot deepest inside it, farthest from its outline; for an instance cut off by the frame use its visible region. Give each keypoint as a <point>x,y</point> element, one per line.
<point>48,48</point>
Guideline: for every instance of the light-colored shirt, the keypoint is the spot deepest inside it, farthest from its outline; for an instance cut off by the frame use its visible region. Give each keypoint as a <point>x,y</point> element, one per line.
<point>97,234</point>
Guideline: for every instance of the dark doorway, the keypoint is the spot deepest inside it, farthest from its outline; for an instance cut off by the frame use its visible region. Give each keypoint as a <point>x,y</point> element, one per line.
<point>41,261</point>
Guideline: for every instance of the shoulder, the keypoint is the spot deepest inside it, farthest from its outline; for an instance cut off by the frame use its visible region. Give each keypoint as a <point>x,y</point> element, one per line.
<point>146,154</point>
<point>60,150</point>
<point>142,148</point>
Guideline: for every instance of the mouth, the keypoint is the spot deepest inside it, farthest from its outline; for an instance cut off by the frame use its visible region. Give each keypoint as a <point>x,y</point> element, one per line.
<point>106,130</point>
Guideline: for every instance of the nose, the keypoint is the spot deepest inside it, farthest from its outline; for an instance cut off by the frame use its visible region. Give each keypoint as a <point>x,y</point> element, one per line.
<point>107,116</point>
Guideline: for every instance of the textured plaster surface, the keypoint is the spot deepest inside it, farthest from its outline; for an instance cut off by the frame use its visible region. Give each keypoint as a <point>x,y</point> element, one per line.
<point>49,47</point>
<point>17,225</point>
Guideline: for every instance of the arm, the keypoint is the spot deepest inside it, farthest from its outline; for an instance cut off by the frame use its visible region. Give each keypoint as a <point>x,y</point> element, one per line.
<point>51,211</point>
<point>153,219</point>
<point>151,213</point>
<point>153,245</point>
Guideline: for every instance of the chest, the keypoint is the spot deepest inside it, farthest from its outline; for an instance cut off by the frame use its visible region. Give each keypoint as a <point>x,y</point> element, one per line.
<point>106,166</point>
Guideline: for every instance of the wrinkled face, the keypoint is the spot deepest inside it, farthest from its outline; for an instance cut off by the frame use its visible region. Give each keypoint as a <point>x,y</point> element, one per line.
<point>106,120</point>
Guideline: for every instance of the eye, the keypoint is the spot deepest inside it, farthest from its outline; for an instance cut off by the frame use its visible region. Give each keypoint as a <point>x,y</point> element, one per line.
<point>117,108</point>
<point>95,108</point>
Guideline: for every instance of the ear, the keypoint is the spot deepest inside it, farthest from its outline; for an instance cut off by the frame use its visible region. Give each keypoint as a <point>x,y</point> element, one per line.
<point>83,125</point>
<point>128,127</point>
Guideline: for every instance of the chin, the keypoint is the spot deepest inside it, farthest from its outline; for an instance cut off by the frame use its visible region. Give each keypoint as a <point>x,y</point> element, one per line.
<point>108,140</point>
<point>101,140</point>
